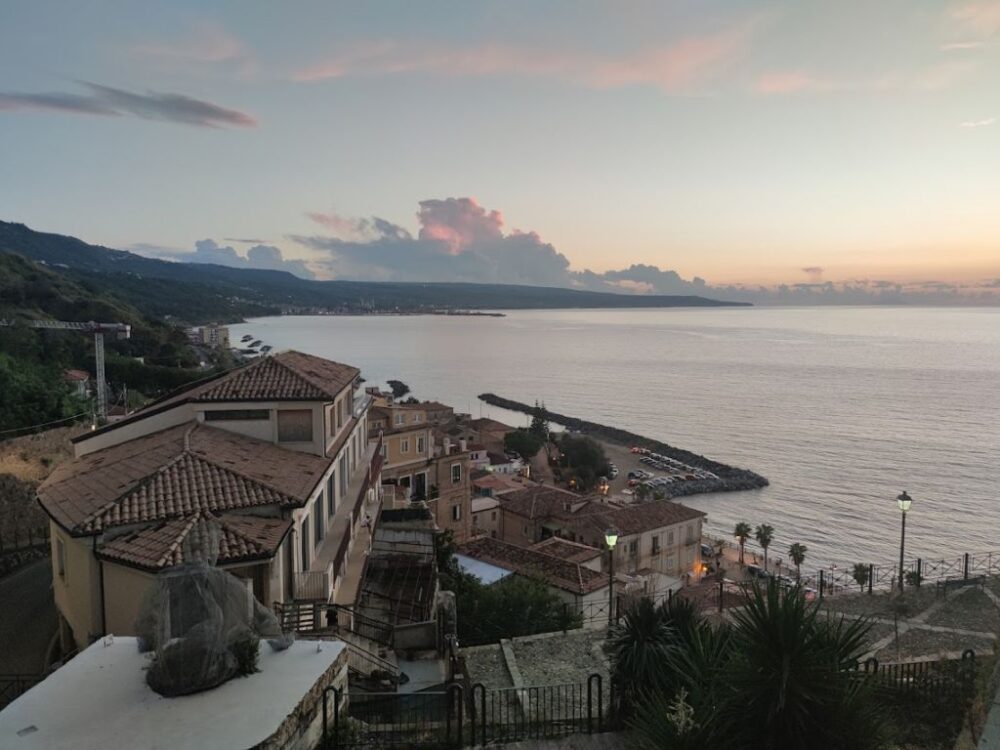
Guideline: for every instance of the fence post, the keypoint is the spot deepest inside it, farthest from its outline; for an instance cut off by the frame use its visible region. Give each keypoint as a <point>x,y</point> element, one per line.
<point>481,689</point>
<point>920,570</point>
<point>965,569</point>
<point>871,577</point>
<point>821,581</point>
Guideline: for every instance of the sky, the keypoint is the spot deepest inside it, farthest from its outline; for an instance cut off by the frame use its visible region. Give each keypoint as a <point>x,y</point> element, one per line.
<point>631,146</point>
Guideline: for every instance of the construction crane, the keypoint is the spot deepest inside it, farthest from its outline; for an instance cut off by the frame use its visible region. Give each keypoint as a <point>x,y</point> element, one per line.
<point>120,331</point>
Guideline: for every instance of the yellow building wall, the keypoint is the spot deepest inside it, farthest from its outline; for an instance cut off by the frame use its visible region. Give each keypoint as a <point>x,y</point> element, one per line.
<point>77,590</point>
<point>124,590</point>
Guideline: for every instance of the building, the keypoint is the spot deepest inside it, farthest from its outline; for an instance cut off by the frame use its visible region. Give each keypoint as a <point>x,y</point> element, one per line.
<point>78,381</point>
<point>583,587</point>
<point>422,459</point>
<point>275,452</point>
<point>214,336</point>
<point>661,536</point>
<point>486,516</point>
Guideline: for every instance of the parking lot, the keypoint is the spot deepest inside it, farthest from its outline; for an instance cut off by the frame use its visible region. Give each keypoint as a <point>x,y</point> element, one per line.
<point>660,471</point>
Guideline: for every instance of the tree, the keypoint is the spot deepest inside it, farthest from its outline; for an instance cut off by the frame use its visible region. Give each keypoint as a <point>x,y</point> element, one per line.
<point>779,675</point>
<point>522,442</point>
<point>539,422</point>
<point>515,606</point>
<point>742,532</point>
<point>764,535</point>
<point>585,458</point>
<point>398,388</point>
<point>798,554</point>
<point>860,574</point>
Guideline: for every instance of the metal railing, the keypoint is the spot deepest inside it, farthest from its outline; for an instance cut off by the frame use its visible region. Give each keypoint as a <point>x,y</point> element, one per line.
<point>454,718</point>
<point>312,585</point>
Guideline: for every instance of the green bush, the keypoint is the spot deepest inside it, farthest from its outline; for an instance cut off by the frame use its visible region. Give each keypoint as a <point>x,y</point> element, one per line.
<point>526,444</point>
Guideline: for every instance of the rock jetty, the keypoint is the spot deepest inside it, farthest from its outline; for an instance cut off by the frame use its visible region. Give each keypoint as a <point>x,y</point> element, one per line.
<point>730,478</point>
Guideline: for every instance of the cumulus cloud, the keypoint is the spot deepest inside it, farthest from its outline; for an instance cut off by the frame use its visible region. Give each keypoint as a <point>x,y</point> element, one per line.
<point>261,257</point>
<point>113,102</point>
<point>459,240</point>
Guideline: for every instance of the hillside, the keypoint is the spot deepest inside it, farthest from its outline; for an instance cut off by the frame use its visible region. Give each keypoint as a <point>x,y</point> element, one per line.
<point>156,358</point>
<point>203,292</point>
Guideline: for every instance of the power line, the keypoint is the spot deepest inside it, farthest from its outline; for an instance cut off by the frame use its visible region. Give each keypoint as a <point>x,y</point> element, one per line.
<point>45,424</point>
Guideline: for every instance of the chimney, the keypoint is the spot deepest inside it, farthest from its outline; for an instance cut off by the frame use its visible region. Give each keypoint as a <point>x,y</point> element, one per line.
<point>447,446</point>
<point>463,445</point>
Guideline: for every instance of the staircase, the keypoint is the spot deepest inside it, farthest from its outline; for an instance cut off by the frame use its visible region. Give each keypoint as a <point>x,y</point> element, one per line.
<point>366,659</point>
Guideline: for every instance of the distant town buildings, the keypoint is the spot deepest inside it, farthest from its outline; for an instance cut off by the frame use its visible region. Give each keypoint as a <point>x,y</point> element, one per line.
<point>213,336</point>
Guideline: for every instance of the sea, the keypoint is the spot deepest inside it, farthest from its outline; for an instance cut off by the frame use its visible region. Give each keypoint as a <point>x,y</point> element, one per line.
<point>841,408</point>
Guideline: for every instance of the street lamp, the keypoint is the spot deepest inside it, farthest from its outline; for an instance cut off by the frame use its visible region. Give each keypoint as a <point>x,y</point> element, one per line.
<point>611,539</point>
<point>904,501</point>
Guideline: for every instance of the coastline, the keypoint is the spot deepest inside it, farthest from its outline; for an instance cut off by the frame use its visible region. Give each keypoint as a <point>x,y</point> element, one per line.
<point>730,478</point>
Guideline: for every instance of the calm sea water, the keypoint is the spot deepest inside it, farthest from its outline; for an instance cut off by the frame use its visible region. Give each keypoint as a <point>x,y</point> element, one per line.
<point>840,408</point>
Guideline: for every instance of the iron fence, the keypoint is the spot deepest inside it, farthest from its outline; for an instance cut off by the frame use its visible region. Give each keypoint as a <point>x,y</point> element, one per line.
<point>456,717</point>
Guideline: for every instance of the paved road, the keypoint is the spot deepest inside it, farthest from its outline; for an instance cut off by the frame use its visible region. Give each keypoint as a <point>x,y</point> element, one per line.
<point>28,619</point>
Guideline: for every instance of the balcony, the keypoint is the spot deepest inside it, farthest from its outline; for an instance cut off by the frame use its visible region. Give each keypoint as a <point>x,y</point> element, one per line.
<point>347,540</point>
<point>312,585</point>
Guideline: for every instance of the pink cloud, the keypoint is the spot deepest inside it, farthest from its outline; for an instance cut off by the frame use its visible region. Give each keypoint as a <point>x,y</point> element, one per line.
<point>672,68</point>
<point>458,223</point>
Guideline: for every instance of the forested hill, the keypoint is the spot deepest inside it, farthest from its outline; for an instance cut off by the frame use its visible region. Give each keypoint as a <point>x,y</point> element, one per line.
<point>156,358</point>
<point>202,292</point>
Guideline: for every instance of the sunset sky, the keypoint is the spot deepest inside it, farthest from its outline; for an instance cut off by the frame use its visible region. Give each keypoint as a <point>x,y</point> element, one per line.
<point>740,142</point>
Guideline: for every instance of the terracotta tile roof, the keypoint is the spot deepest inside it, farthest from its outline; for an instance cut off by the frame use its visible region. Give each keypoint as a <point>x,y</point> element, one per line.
<point>638,518</point>
<point>525,561</point>
<point>545,501</point>
<point>567,550</point>
<point>286,376</point>
<point>241,539</point>
<point>76,376</point>
<point>173,473</point>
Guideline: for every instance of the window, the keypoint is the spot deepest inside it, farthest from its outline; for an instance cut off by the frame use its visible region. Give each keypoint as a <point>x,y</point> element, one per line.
<point>404,446</point>
<point>656,545</point>
<point>236,414</point>
<point>320,526</point>
<point>670,563</point>
<point>493,515</point>
<point>331,494</point>
<point>456,473</point>
<point>421,444</point>
<point>61,557</point>
<point>417,418</point>
<point>456,512</point>
<point>399,418</point>
<point>343,476</point>
<point>385,449</point>
<point>670,539</point>
<point>633,548</point>
<point>295,425</point>
<point>526,531</point>
<point>305,544</point>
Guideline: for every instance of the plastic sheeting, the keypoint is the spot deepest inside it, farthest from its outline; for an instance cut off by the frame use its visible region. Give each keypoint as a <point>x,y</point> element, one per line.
<point>202,623</point>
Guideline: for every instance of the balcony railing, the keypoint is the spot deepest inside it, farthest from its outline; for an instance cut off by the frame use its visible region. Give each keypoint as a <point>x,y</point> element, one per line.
<point>313,585</point>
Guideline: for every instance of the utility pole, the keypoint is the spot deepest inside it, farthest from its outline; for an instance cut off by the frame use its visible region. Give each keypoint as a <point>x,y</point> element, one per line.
<point>121,331</point>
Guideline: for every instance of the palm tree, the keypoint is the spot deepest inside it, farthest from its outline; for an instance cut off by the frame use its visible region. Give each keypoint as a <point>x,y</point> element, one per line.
<point>798,553</point>
<point>742,532</point>
<point>781,674</point>
<point>764,535</point>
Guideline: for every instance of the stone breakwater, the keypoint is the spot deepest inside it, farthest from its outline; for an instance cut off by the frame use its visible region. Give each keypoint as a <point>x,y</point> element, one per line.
<point>730,478</point>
